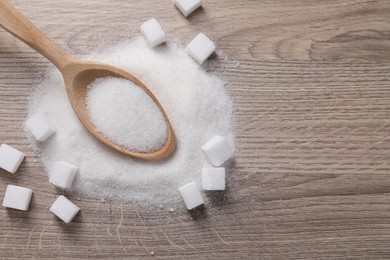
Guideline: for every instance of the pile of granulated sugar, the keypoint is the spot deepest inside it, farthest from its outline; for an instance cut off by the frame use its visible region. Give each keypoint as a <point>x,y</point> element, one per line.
<point>194,100</point>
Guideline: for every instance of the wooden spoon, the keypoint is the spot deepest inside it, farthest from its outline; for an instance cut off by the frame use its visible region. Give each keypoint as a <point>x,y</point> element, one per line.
<point>78,74</point>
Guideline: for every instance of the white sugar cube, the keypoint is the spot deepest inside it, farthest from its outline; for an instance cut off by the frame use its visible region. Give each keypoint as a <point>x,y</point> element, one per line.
<point>10,158</point>
<point>40,127</point>
<point>153,32</point>
<point>213,178</point>
<point>217,150</point>
<point>17,197</point>
<point>187,6</point>
<point>191,195</point>
<point>200,48</point>
<point>62,174</point>
<point>64,209</point>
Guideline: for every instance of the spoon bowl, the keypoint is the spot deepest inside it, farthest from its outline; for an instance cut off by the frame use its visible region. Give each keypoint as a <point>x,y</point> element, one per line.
<point>78,74</point>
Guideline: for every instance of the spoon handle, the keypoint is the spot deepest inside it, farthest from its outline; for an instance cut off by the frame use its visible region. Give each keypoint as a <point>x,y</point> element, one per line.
<point>17,24</point>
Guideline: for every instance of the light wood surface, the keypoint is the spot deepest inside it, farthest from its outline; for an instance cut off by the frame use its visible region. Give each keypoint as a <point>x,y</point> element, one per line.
<point>78,74</point>
<point>311,85</point>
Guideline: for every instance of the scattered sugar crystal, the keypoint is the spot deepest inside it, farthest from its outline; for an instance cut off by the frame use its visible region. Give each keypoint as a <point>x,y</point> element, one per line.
<point>186,7</point>
<point>195,101</point>
<point>40,127</point>
<point>64,209</point>
<point>10,158</point>
<point>217,150</point>
<point>62,174</point>
<point>17,197</point>
<point>126,115</point>
<point>200,48</point>
<point>191,195</point>
<point>213,178</point>
<point>153,32</point>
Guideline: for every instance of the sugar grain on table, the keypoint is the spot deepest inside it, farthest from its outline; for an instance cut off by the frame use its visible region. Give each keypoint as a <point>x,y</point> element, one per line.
<point>195,101</point>
<point>213,178</point>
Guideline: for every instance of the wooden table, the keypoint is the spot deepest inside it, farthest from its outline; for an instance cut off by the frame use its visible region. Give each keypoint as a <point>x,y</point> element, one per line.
<point>311,85</point>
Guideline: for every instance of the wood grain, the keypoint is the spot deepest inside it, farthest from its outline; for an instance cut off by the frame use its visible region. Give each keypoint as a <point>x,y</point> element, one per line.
<point>310,82</point>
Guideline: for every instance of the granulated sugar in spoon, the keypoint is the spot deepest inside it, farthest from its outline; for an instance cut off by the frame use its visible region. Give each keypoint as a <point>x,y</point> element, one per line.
<point>78,75</point>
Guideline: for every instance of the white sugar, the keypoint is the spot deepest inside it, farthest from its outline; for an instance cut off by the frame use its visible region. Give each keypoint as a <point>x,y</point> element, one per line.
<point>126,115</point>
<point>153,32</point>
<point>10,158</point>
<point>17,197</point>
<point>195,101</point>
<point>187,6</point>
